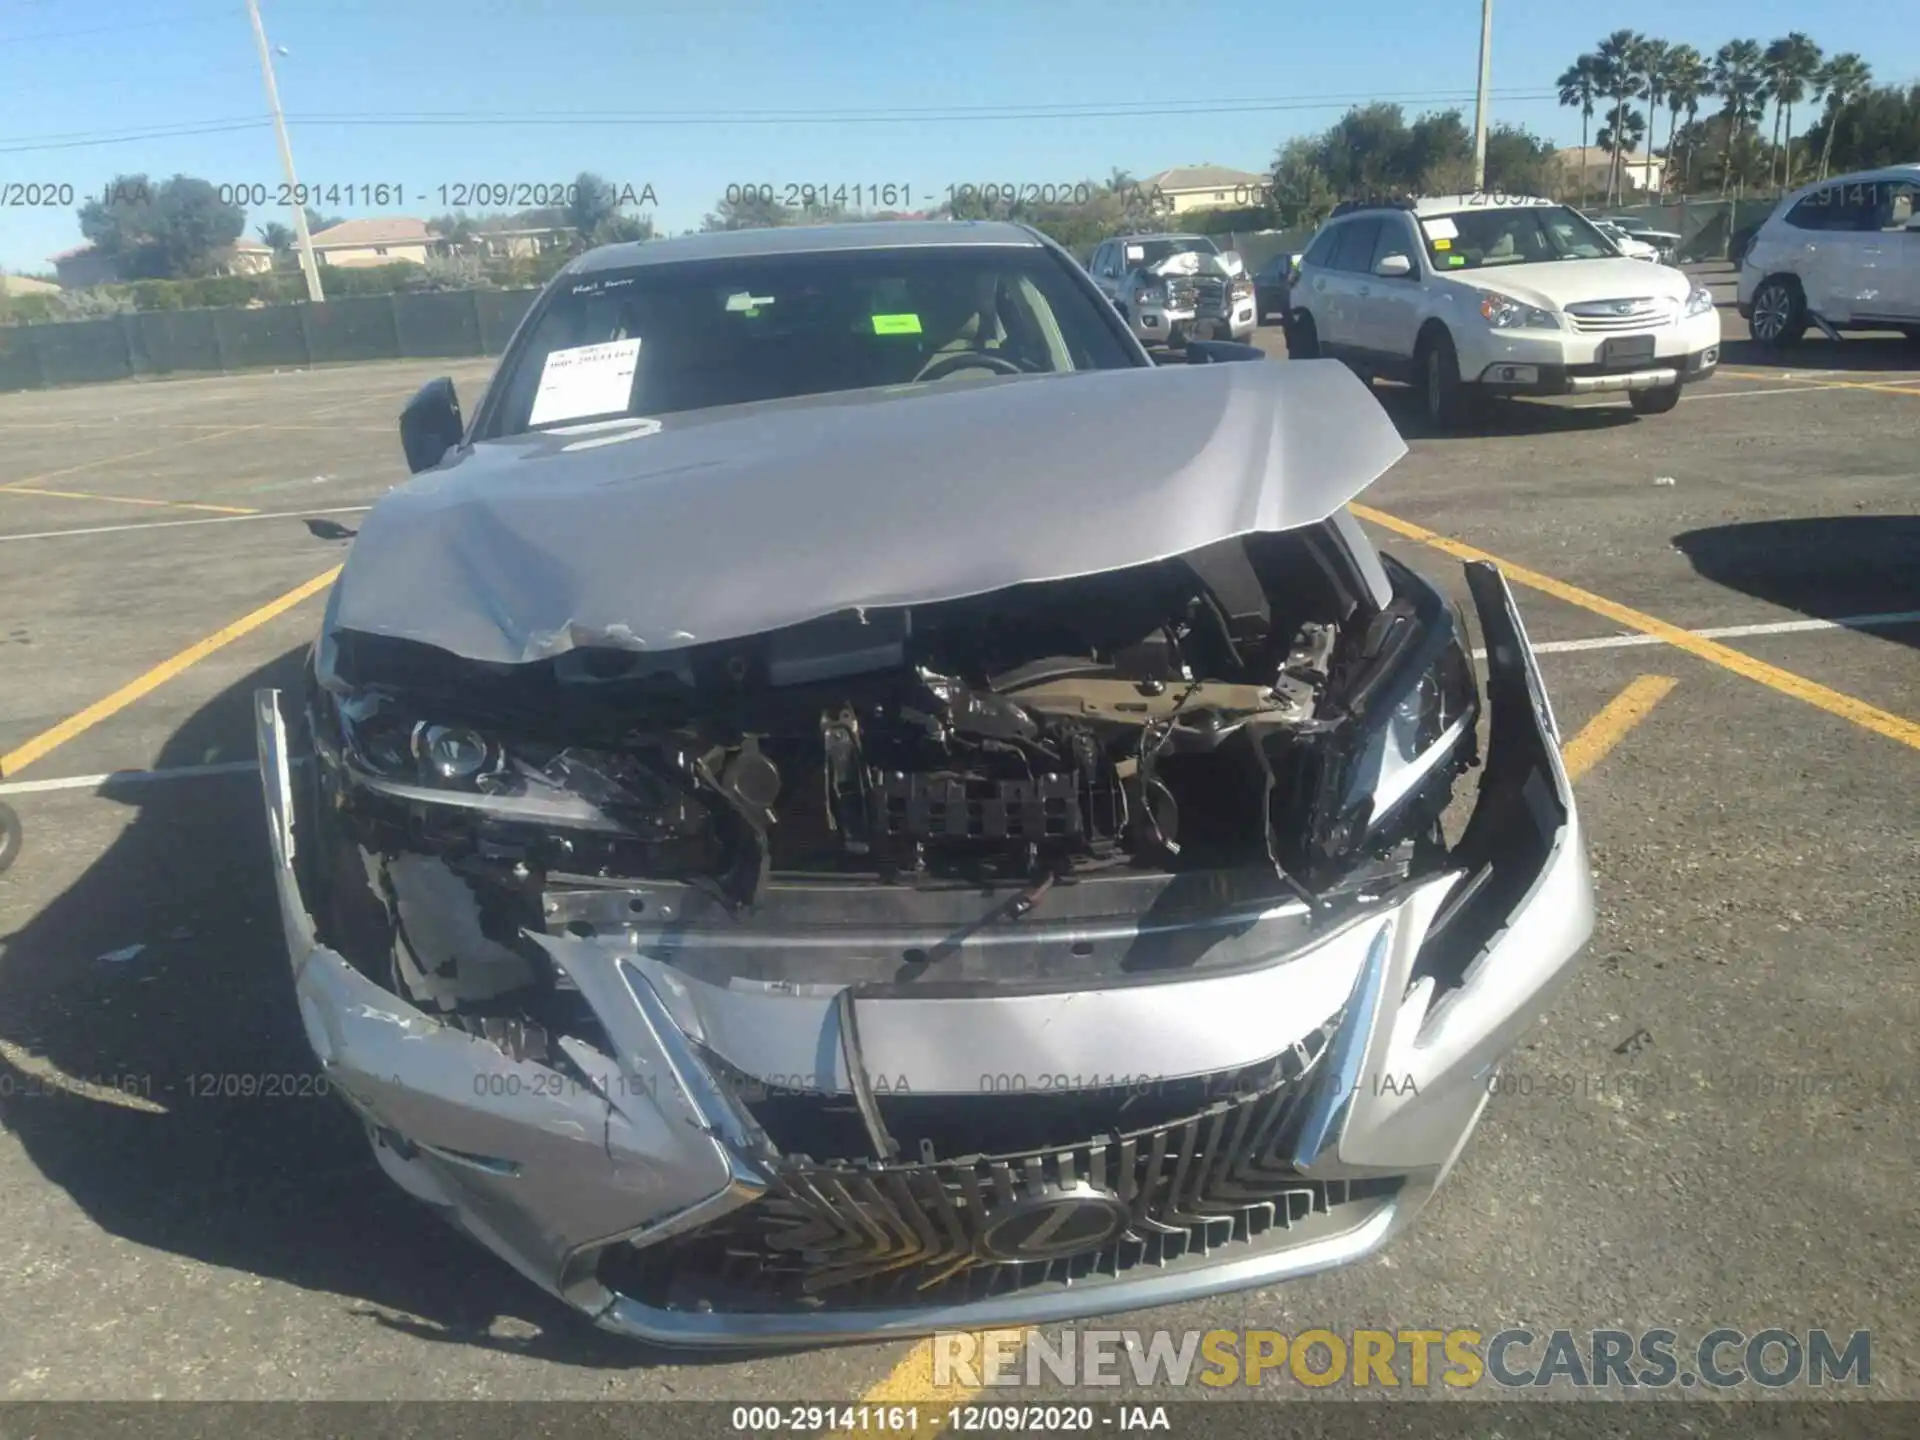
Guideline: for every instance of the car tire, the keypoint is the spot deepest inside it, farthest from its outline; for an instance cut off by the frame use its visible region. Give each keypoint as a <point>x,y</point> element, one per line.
<point>1445,399</point>
<point>1657,401</point>
<point>10,838</point>
<point>1779,316</point>
<point>1303,340</point>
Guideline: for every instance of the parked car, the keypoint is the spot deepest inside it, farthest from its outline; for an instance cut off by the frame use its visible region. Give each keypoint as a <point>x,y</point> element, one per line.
<point>1466,297</point>
<point>1626,244</point>
<point>1665,244</point>
<point>1175,288</point>
<point>844,799</point>
<point>1843,254</point>
<point>1272,283</point>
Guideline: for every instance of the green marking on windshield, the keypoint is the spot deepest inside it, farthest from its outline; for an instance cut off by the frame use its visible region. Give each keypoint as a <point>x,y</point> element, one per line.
<point>1455,261</point>
<point>896,324</point>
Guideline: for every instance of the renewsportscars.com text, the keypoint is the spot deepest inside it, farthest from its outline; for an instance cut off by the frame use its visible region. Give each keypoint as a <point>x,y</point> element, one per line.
<point>1458,1358</point>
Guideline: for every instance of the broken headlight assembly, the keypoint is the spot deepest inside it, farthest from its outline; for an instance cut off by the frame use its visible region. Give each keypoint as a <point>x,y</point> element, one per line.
<point>407,758</point>
<point>1413,716</point>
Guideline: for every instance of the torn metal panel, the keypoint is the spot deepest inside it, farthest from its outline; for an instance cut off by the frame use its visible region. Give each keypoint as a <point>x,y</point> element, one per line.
<point>860,500</point>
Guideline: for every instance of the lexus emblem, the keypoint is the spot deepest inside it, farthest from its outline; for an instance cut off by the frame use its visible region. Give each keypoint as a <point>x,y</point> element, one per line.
<point>1050,1224</point>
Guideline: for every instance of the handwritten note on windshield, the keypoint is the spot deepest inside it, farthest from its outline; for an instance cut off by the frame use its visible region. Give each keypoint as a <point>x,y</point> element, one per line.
<point>586,380</point>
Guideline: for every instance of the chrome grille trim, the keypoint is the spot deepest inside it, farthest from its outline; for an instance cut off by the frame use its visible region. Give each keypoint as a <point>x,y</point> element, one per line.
<point>1605,317</point>
<point>847,1234</point>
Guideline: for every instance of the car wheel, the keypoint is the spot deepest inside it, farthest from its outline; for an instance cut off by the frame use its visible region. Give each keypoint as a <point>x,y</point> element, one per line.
<point>1303,340</point>
<point>9,836</point>
<point>1779,313</point>
<point>1443,397</point>
<point>1657,401</point>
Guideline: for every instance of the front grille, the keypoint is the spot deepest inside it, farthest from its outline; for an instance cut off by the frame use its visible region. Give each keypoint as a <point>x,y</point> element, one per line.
<point>1210,297</point>
<point>847,1235</point>
<point>1606,317</point>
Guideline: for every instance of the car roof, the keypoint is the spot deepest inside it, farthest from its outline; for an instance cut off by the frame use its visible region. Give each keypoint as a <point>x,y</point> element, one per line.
<point>805,239</point>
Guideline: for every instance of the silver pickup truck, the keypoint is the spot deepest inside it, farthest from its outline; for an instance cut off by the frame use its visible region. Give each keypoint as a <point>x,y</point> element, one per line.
<point>1176,288</point>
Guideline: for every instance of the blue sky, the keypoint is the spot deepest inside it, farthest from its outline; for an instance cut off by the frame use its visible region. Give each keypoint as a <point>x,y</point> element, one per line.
<point>747,86</point>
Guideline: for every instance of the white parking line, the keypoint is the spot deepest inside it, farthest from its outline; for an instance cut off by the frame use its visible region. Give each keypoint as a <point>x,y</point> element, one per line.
<point>176,524</point>
<point>116,778</point>
<point>1727,632</point>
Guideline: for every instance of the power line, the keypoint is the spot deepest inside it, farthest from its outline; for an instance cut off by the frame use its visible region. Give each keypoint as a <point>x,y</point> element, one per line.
<point>1087,110</point>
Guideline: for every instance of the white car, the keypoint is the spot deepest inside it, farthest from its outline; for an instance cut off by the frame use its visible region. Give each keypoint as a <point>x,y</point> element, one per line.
<point>1466,296</point>
<point>1843,254</point>
<point>1628,246</point>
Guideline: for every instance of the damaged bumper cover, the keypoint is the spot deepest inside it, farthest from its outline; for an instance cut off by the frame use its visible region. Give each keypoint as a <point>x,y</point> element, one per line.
<point>1378,1040</point>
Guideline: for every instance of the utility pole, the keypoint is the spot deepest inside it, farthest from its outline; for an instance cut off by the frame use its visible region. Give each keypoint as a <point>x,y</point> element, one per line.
<point>1480,104</point>
<point>304,239</point>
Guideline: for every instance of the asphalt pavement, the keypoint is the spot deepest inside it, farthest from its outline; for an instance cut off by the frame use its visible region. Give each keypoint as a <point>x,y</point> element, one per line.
<point>1713,1127</point>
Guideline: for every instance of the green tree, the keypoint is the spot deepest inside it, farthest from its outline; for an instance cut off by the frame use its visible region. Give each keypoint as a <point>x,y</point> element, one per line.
<point>752,210</point>
<point>316,222</point>
<point>1738,80</point>
<point>1878,127</point>
<point>1841,81</point>
<point>178,228</point>
<point>1303,194</point>
<point>456,231</point>
<point>593,203</point>
<point>1619,56</point>
<point>1688,83</point>
<point>1519,162</point>
<point>1790,65</point>
<point>1580,85</point>
<point>1651,58</point>
<point>276,237</point>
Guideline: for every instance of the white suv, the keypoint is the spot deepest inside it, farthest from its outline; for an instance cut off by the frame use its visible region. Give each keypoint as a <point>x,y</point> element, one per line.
<point>1843,254</point>
<point>1472,295</point>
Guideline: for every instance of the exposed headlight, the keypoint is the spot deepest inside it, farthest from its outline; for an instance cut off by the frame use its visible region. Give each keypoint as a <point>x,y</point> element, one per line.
<point>391,753</point>
<point>1243,288</point>
<point>1503,312</point>
<point>1152,295</point>
<point>1414,732</point>
<point>1700,301</point>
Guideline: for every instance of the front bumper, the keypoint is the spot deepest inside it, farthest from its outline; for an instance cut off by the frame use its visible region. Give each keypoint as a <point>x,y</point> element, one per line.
<point>1565,362</point>
<point>1401,1015</point>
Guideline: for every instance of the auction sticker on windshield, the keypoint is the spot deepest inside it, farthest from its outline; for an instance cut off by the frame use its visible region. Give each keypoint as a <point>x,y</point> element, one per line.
<point>586,380</point>
<point>896,324</point>
<point>1440,227</point>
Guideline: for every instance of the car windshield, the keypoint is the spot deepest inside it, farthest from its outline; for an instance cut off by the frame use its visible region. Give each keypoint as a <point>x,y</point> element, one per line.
<point>658,339</point>
<point>1518,235</point>
<point>1152,252</point>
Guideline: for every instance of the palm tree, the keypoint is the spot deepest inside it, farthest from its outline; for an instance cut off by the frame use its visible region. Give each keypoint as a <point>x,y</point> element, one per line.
<point>1619,56</point>
<point>1843,79</point>
<point>1652,57</point>
<point>1580,85</point>
<point>1790,64</point>
<point>1688,83</point>
<point>1736,77</point>
<point>1623,139</point>
<point>276,237</point>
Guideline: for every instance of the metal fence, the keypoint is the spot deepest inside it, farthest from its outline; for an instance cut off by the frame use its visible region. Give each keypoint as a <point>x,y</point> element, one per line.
<point>164,342</point>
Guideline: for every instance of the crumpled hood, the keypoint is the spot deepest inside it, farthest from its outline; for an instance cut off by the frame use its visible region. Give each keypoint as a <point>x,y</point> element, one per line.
<point>724,523</point>
<point>1560,283</point>
<point>1194,262</point>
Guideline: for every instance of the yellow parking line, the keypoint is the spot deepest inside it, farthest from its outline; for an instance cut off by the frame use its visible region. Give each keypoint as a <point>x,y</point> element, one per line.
<point>1881,722</point>
<point>48,740</point>
<point>1607,729</point>
<point>128,500</point>
<point>912,1382</point>
<point>1821,382</point>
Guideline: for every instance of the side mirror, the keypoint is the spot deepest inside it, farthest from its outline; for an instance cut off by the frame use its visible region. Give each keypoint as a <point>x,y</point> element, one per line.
<point>1220,352</point>
<point>1393,267</point>
<point>430,426</point>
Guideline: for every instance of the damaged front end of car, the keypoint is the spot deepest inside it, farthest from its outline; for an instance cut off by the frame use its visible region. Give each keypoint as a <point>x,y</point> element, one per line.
<point>1061,948</point>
